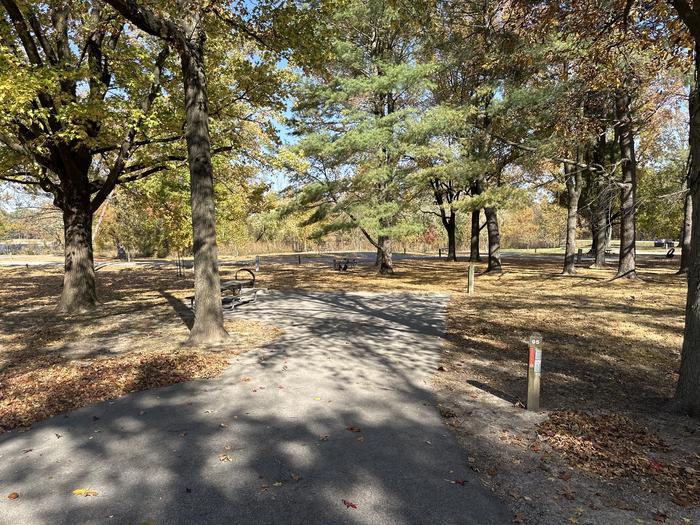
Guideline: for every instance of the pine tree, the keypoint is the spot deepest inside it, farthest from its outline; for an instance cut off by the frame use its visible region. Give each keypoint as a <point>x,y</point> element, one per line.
<point>355,114</point>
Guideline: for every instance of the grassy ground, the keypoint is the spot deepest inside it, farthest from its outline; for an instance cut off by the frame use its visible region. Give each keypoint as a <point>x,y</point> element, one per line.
<point>604,450</point>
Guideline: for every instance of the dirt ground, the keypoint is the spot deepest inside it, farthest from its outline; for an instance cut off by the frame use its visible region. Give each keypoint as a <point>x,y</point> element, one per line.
<point>604,449</point>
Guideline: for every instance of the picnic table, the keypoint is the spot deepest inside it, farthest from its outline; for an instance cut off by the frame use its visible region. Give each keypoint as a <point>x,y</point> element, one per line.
<point>343,263</point>
<point>236,292</point>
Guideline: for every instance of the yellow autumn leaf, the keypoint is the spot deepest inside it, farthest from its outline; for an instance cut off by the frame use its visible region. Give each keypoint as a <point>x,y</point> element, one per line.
<point>84,492</point>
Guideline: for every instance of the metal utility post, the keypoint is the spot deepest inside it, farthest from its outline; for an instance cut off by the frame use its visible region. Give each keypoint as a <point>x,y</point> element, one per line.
<point>470,283</point>
<point>534,370</point>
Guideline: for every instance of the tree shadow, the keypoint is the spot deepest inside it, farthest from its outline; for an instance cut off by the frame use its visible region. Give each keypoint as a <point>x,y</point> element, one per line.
<point>180,308</point>
<point>494,391</point>
<point>335,413</point>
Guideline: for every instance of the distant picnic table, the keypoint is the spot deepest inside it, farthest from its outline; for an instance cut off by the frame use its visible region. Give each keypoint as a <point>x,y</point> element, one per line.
<point>343,263</point>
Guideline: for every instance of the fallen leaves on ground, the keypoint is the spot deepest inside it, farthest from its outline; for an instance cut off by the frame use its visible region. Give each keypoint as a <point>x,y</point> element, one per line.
<point>57,387</point>
<point>349,504</point>
<point>51,363</point>
<point>614,446</point>
<point>13,495</point>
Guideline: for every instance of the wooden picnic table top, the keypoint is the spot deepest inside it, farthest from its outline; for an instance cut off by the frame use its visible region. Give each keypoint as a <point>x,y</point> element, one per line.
<point>237,284</point>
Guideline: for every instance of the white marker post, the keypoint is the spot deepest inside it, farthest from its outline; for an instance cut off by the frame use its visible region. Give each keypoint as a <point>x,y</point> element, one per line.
<point>470,281</point>
<point>534,370</point>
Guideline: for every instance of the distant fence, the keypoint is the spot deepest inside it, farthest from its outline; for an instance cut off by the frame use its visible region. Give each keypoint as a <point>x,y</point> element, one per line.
<point>28,247</point>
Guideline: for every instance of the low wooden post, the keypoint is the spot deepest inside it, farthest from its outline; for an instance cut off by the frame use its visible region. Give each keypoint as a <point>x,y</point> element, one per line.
<point>440,253</point>
<point>579,255</point>
<point>257,263</point>
<point>470,281</point>
<point>299,258</point>
<point>534,371</point>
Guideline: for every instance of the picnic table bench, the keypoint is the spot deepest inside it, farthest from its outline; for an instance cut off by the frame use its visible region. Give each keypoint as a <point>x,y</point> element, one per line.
<point>237,291</point>
<point>343,263</point>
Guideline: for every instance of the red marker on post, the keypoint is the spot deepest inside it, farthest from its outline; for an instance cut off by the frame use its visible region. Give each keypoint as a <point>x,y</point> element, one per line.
<point>534,370</point>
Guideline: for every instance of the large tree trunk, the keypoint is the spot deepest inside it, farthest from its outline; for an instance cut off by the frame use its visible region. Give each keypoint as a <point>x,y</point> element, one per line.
<point>688,388</point>
<point>686,233</point>
<point>442,193</point>
<point>381,241</point>
<point>573,189</point>
<point>600,206</point>
<point>385,256</point>
<point>601,230</point>
<point>474,254</point>
<point>188,38</point>
<point>78,294</point>
<point>608,229</point>
<point>494,237</point>
<point>594,228</point>
<point>450,224</point>
<point>628,187</point>
<point>208,324</point>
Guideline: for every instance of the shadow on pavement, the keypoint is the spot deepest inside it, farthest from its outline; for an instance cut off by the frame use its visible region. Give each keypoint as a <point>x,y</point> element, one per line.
<point>339,408</point>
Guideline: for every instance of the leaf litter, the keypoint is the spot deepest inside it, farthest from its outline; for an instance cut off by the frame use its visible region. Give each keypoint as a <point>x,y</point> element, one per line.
<point>614,446</point>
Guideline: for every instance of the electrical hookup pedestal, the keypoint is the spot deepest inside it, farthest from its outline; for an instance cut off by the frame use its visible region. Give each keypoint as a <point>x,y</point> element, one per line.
<point>534,371</point>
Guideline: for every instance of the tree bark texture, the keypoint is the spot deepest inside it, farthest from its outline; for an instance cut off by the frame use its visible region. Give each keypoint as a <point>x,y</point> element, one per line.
<point>385,256</point>
<point>494,238</point>
<point>573,189</point>
<point>208,326</point>
<point>78,294</point>
<point>688,387</point>
<point>600,204</point>
<point>450,224</point>
<point>474,254</point>
<point>628,187</point>
<point>686,231</point>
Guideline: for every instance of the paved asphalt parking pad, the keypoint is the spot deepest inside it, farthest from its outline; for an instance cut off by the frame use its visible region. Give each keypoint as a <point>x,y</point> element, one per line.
<point>333,422</point>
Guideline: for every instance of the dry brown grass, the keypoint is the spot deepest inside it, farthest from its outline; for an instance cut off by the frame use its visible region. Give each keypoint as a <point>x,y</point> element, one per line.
<point>606,342</point>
